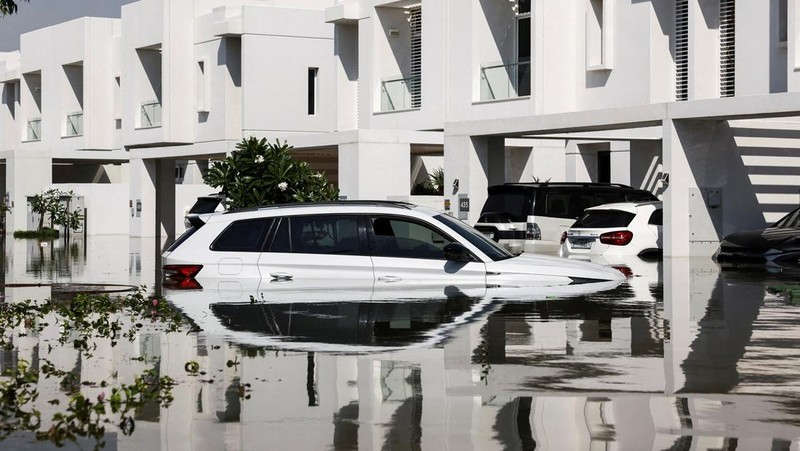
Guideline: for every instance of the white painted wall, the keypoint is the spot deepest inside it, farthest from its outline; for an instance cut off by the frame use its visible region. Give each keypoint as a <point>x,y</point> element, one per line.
<point>106,205</point>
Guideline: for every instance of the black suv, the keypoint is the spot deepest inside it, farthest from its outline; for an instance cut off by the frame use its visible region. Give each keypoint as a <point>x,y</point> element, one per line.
<point>530,217</point>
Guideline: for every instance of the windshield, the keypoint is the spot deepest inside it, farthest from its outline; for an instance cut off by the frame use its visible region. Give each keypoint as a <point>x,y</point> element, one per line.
<point>475,238</point>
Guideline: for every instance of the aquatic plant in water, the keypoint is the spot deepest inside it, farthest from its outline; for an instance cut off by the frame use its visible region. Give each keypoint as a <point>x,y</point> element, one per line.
<point>80,322</point>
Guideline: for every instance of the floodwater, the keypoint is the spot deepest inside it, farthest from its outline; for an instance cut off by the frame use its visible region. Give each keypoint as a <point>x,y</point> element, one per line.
<point>682,356</point>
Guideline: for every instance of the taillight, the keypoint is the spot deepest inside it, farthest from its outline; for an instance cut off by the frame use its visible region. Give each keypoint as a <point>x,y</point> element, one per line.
<point>532,231</point>
<point>182,276</point>
<point>619,238</point>
<point>563,237</point>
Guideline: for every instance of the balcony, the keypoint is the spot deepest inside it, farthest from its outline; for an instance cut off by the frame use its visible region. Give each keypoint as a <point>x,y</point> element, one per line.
<point>400,94</point>
<point>150,114</point>
<point>34,130</point>
<point>74,124</point>
<point>505,81</point>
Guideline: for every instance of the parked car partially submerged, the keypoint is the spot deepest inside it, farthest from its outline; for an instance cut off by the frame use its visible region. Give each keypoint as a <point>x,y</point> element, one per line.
<point>530,217</point>
<point>628,228</point>
<point>777,244</point>
<point>385,243</point>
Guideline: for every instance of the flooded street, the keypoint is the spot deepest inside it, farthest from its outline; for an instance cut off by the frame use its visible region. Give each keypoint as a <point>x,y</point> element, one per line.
<point>683,356</point>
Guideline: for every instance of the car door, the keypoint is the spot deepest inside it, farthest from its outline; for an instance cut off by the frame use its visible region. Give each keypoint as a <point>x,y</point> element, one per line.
<point>315,253</point>
<point>406,251</point>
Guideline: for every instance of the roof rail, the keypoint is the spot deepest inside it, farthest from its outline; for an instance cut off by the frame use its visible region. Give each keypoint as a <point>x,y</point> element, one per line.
<point>366,203</point>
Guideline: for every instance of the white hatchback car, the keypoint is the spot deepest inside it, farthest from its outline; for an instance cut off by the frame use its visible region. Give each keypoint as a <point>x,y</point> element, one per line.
<point>628,228</point>
<point>347,243</point>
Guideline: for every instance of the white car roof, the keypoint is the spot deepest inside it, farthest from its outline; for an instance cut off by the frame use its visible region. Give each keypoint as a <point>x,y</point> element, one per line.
<point>630,207</point>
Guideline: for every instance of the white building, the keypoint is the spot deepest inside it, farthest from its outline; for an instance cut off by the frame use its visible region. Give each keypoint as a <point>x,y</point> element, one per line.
<point>692,99</point>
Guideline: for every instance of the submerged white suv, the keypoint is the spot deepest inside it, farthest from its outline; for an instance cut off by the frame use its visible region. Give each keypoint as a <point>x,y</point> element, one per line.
<point>347,243</point>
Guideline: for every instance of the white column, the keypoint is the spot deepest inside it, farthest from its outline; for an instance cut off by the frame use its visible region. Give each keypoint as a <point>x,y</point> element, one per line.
<point>27,173</point>
<point>374,167</point>
<point>466,159</point>
<point>142,197</point>
<point>676,195</point>
<point>620,162</point>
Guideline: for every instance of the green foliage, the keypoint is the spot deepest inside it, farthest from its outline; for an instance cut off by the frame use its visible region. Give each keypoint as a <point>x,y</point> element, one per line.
<point>81,320</point>
<point>90,316</point>
<point>261,173</point>
<point>8,7</point>
<point>48,203</point>
<point>433,186</point>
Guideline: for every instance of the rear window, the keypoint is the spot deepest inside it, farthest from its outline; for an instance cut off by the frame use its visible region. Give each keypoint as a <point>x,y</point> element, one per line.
<point>242,236</point>
<point>603,219</point>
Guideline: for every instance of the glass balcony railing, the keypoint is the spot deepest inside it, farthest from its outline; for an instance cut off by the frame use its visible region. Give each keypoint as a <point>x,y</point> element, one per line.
<point>74,124</point>
<point>34,129</point>
<point>505,81</point>
<point>400,94</point>
<point>150,114</point>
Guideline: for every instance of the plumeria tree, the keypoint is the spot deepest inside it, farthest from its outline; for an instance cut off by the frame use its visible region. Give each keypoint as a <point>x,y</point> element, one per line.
<point>8,7</point>
<point>262,173</point>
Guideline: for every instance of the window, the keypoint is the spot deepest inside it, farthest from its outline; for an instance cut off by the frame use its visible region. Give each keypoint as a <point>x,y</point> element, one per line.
<point>657,217</point>
<point>398,237</point>
<point>319,234</point>
<point>523,70</point>
<point>727,47</point>
<point>603,219</point>
<point>681,50</point>
<point>312,90</point>
<point>415,83</point>
<point>242,236</point>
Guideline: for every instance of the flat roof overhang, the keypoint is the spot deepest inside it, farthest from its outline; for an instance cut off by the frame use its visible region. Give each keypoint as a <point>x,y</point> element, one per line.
<point>730,108</point>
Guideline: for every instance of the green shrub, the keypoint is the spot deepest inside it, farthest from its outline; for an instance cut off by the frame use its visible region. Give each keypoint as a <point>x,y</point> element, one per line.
<point>261,173</point>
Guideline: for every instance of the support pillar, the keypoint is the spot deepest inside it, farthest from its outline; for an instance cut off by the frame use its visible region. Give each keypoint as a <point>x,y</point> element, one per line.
<point>467,161</point>
<point>620,162</point>
<point>27,173</point>
<point>374,166</point>
<point>676,196</point>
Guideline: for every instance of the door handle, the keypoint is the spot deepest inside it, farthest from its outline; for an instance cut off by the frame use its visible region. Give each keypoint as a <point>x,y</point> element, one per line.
<point>389,279</point>
<point>281,276</point>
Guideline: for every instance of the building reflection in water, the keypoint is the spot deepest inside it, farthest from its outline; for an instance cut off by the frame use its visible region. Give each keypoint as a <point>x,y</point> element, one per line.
<point>680,357</point>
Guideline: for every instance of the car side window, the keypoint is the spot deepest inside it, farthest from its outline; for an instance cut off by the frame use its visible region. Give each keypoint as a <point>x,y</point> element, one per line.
<point>397,237</point>
<point>557,204</point>
<point>242,236</point>
<point>317,234</point>
<point>657,217</point>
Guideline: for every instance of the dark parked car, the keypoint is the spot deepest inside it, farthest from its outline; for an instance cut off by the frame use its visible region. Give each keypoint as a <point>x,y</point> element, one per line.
<point>778,243</point>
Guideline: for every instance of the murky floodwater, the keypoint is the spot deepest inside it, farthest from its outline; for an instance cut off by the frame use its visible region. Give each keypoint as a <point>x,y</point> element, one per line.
<point>681,356</point>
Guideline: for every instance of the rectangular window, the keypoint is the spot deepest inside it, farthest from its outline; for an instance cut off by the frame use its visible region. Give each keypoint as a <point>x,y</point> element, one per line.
<point>312,90</point>
<point>415,82</point>
<point>681,50</point>
<point>727,46</point>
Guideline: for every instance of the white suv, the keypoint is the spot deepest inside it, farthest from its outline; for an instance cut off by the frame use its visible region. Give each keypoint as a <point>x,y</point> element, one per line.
<point>622,229</point>
<point>347,243</point>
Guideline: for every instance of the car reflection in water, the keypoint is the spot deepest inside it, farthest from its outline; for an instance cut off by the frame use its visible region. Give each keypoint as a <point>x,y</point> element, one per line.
<point>349,315</point>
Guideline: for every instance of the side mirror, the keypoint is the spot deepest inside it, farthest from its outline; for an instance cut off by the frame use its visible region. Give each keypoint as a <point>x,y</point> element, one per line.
<point>457,252</point>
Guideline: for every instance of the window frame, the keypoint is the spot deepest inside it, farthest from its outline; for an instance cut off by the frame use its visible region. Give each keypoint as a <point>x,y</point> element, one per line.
<point>372,243</point>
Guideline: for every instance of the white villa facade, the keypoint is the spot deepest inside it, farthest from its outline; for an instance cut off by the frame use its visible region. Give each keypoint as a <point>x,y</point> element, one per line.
<point>695,100</point>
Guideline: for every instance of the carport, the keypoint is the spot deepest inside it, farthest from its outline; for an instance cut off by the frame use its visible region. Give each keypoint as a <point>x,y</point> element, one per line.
<point>725,164</point>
